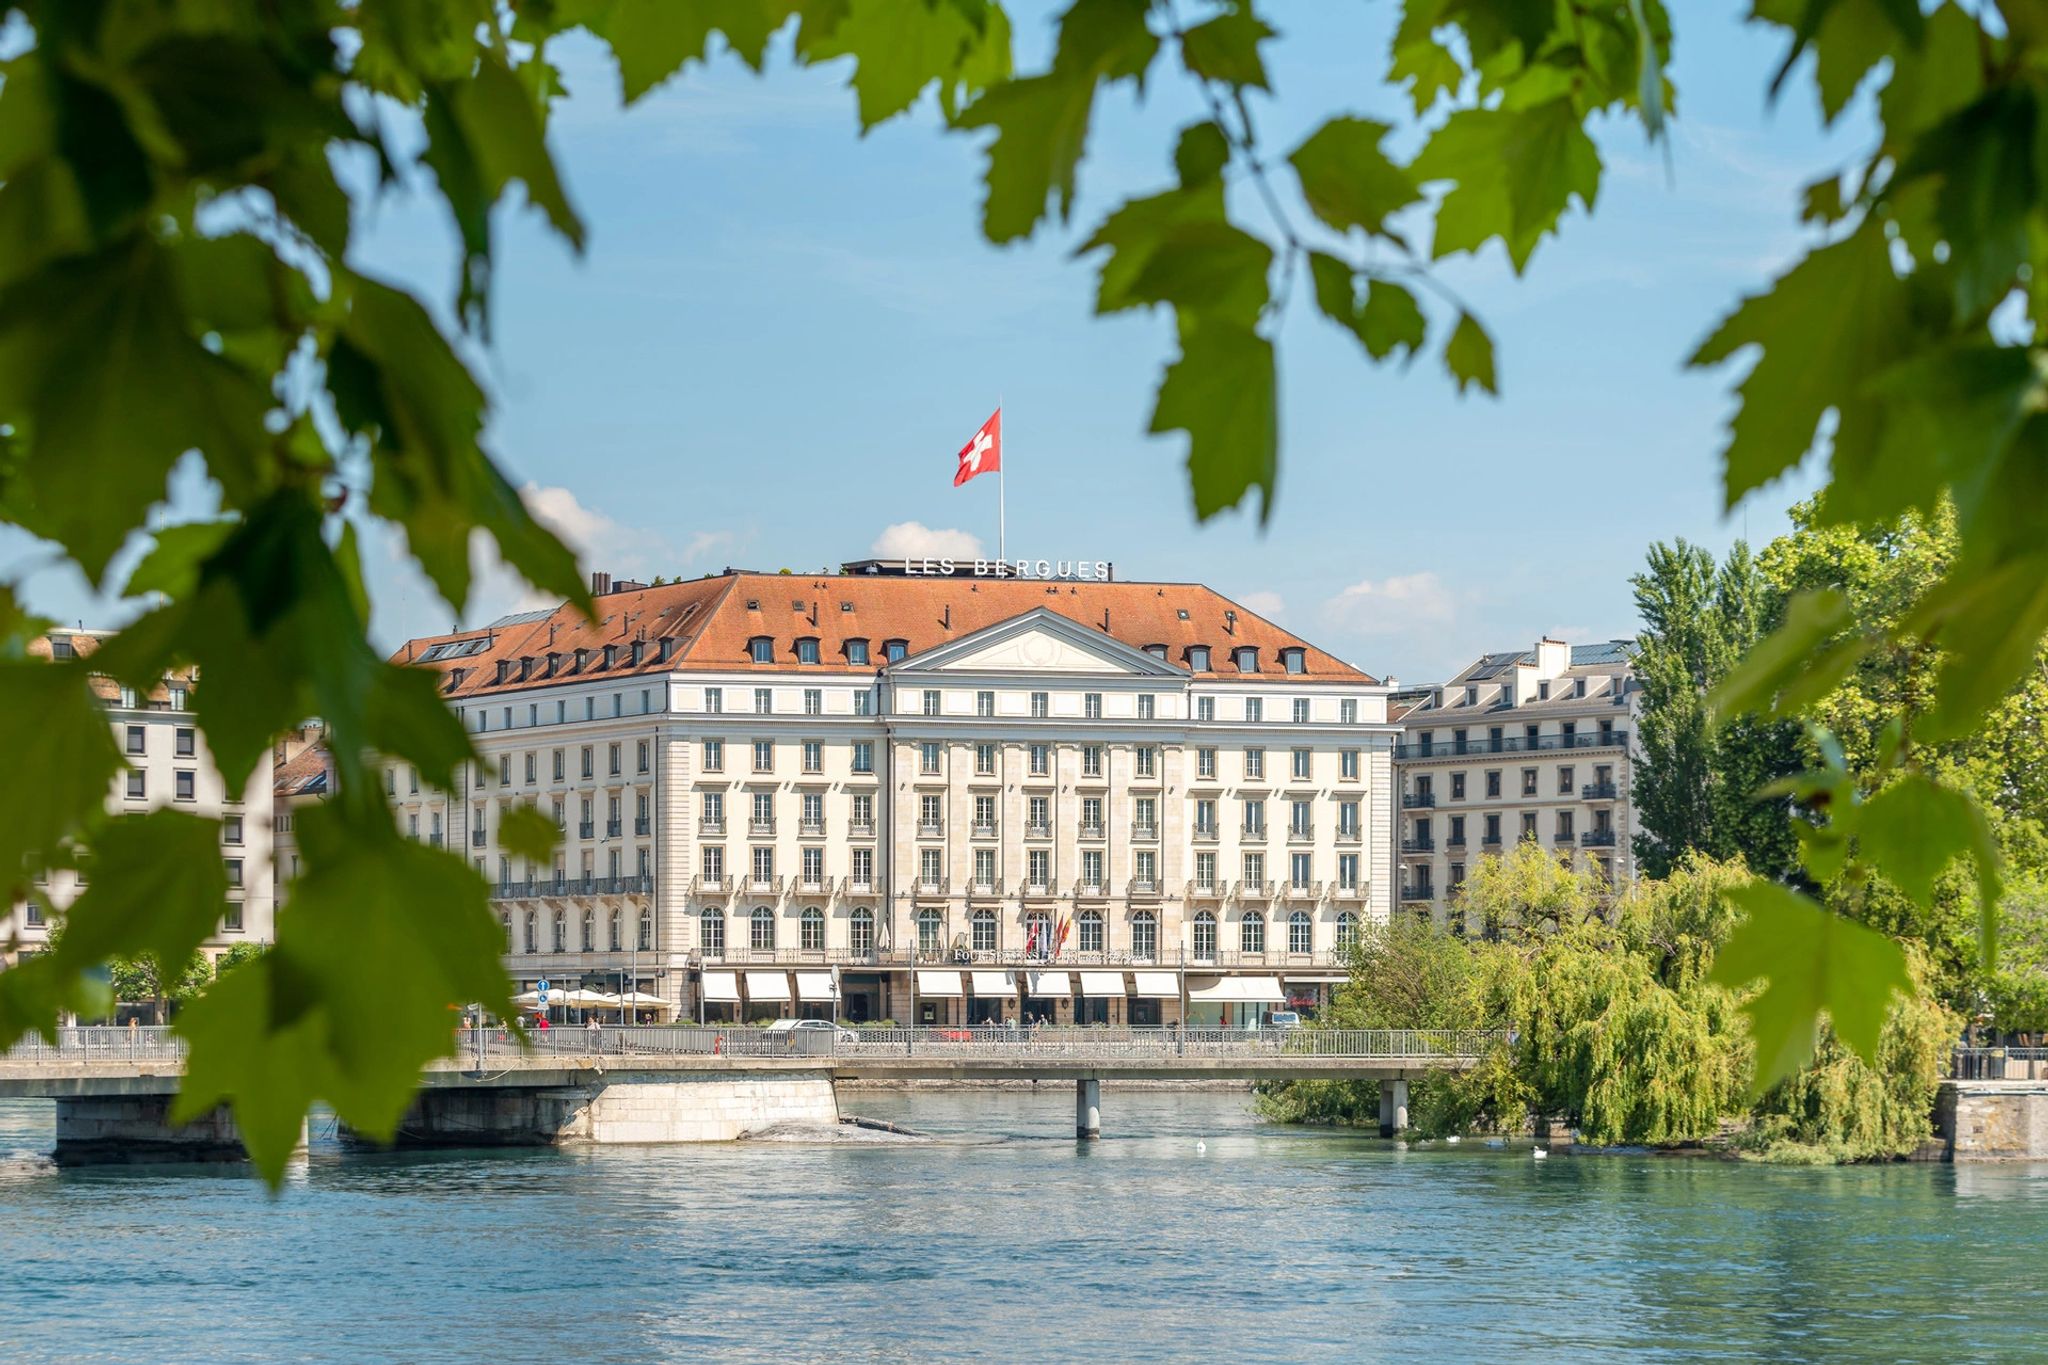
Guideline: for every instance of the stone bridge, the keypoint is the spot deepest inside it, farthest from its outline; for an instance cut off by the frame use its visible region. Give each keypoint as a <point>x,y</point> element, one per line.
<point>633,1084</point>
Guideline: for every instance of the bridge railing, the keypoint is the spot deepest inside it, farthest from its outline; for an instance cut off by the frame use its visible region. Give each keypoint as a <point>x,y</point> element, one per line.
<point>101,1043</point>
<point>2001,1064</point>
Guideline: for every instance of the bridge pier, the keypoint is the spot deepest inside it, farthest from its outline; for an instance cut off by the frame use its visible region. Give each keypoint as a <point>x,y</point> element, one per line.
<point>1393,1107</point>
<point>125,1130</point>
<point>1087,1110</point>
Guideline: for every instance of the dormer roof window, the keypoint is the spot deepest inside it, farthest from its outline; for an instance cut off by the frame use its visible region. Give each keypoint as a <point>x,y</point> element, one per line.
<point>1294,659</point>
<point>1246,658</point>
<point>1156,651</point>
<point>856,651</point>
<point>761,649</point>
<point>807,649</point>
<point>1198,658</point>
<point>895,650</point>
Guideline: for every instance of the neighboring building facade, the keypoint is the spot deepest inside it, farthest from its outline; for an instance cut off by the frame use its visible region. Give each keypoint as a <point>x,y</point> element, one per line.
<point>1532,745</point>
<point>167,765</point>
<point>302,774</point>
<point>928,799</point>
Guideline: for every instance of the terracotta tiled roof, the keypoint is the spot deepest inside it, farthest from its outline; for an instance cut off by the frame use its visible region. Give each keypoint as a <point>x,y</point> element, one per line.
<point>83,644</point>
<point>709,624</point>
<point>309,772</point>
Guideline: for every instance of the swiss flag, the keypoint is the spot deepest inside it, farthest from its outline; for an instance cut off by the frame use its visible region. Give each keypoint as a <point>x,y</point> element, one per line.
<point>984,452</point>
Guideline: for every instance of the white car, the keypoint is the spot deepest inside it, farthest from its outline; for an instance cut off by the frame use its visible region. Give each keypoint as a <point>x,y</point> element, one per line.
<point>842,1036</point>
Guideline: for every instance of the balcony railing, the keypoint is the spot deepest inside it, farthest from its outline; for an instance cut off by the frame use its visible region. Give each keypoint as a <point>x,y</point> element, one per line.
<point>710,886</point>
<point>1091,829</point>
<point>1038,829</point>
<point>549,887</point>
<point>1418,845</point>
<point>1251,831</point>
<point>1418,800</point>
<point>1304,891</point>
<point>1510,744</point>
<point>1142,886</point>
<point>1454,841</point>
<point>1209,890</point>
<point>611,829</point>
<point>811,829</point>
<point>1144,829</point>
<point>984,829</point>
<point>931,829</point>
<point>643,825</point>
<point>1206,830</point>
<point>860,829</point>
<point>1562,836</point>
<point>1598,791</point>
<point>587,829</point>
<point>711,824</point>
<point>1349,834</point>
<point>758,825</point>
<point>1421,892</point>
<point>477,838</point>
<point>1254,888</point>
<point>1301,834</point>
<point>435,839</point>
<point>1597,838</point>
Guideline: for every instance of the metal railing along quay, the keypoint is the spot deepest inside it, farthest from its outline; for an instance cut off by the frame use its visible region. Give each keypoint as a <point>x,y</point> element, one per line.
<point>1107,1046</point>
<point>2000,1064</point>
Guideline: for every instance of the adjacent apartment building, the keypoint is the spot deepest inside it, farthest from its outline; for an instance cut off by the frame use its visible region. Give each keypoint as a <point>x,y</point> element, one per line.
<point>167,764</point>
<point>928,797</point>
<point>1528,745</point>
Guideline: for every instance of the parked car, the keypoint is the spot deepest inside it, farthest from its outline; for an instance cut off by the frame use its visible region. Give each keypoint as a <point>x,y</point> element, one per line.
<point>840,1035</point>
<point>1283,1019</point>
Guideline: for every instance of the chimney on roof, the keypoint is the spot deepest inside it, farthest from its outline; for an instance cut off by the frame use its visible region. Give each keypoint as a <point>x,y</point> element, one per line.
<point>1230,623</point>
<point>600,583</point>
<point>1105,620</point>
<point>947,619</point>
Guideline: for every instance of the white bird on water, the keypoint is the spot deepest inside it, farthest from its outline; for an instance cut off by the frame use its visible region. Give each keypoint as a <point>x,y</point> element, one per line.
<point>1538,1153</point>
<point>1452,1139</point>
<point>1200,1146</point>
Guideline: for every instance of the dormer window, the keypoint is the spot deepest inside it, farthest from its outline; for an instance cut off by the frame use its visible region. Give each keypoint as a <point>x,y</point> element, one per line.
<point>60,647</point>
<point>1156,651</point>
<point>761,649</point>
<point>1198,658</point>
<point>1247,658</point>
<point>807,650</point>
<point>1471,696</point>
<point>856,651</point>
<point>895,650</point>
<point>1294,659</point>
<point>611,655</point>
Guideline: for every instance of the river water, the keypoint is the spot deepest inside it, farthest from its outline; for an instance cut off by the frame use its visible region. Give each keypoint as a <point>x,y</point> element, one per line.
<point>1005,1239</point>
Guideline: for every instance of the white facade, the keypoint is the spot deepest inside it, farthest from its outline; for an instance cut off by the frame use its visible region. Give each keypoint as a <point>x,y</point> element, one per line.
<point>1534,746</point>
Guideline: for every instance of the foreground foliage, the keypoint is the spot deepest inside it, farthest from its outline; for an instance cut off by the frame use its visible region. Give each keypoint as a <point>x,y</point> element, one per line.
<point>176,278</point>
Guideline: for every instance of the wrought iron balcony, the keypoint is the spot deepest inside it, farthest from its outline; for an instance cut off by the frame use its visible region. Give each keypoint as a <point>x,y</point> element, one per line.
<point>611,828</point>
<point>1038,829</point>
<point>1254,831</point>
<point>1598,791</point>
<point>1091,829</point>
<point>931,829</point>
<point>1511,744</point>
<point>1418,800</point>
<point>984,829</point>
<point>587,829</point>
<point>760,825</point>
<point>1597,838</point>
<point>1206,830</point>
<point>1418,845</point>
<point>860,829</point>
<point>643,825</point>
<point>1144,829</point>
<point>1301,834</point>
<point>477,838</point>
<point>811,829</point>
<point>1349,834</point>
<point>711,824</point>
<point>1421,891</point>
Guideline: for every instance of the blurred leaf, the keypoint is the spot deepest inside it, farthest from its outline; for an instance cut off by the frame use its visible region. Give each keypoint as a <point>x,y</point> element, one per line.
<point>1388,320</point>
<point>1222,393</point>
<point>1347,180</point>
<point>1779,658</point>
<point>1226,48</point>
<point>1201,154</point>
<point>1208,268</point>
<point>1514,173</point>
<point>902,49</point>
<point>159,887</point>
<point>1135,231</point>
<point>526,833</point>
<point>1913,828</point>
<point>1469,355</point>
<point>1814,962</point>
<point>56,734</point>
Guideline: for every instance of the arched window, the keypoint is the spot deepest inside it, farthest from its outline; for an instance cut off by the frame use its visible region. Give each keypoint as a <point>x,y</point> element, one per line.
<point>1251,934</point>
<point>812,930</point>
<point>1205,936</point>
<point>711,931</point>
<point>1144,936</point>
<point>863,932</point>
<point>589,931</point>
<point>646,939</point>
<point>561,932</point>
<point>984,930</point>
<point>1347,932</point>
<point>532,932</point>
<point>1090,930</point>
<point>930,930</point>
<point>764,929</point>
<point>1301,935</point>
<point>614,940</point>
<point>505,923</point>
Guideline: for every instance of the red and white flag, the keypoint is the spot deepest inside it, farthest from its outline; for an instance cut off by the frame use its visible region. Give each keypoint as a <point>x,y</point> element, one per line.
<point>984,452</point>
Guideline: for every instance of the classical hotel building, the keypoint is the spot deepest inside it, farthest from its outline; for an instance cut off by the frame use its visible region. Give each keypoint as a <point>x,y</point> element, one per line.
<point>924,797</point>
<point>1530,745</point>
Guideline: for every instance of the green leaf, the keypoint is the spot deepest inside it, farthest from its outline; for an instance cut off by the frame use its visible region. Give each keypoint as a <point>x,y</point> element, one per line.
<point>1776,660</point>
<point>51,728</point>
<point>1208,268</point>
<point>1347,180</point>
<point>1201,154</point>
<point>1815,962</point>
<point>406,713</point>
<point>901,49</point>
<point>1914,828</point>
<point>654,39</point>
<point>1226,48</point>
<point>1515,172</point>
<point>1983,161</point>
<point>1389,320</point>
<point>1826,327</point>
<point>1221,391</point>
<point>1468,355</point>
<point>1989,623</point>
<point>1041,122</point>
<point>159,887</point>
<point>1821,201</point>
<point>172,565</point>
<point>1430,70</point>
<point>1134,232</point>
<point>526,833</point>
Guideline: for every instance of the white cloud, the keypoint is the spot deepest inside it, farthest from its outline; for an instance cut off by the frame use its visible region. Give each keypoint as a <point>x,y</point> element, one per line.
<point>915,540</point>
<point>1270,605</point>
<point>1396,605</point>
<point>597,539</point>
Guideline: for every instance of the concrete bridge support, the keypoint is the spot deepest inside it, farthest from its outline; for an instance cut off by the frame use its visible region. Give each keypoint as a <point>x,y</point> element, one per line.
<point>1393,1107</point>
<point>117,1130</point>
<point>705,1107</point>
<point>1087,1110</point>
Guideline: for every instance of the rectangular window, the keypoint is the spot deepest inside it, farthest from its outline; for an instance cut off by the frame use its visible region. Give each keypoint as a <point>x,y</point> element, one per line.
<point>714,863</point>
<point>764,701</point>
<point>863,867</point>
<point>1091,868</point>
<point>714,700</point>
<point>1147,706</point>
<point>814,756</point>
<point>863,756</point>
<point>984,703</point>
<point>645,755</point>
<point>1038,815</point>
<point>814,701</point>
<point>985,759</point>
<point>1041,705</point>
<point>1347,765</point>
<point>764,755</point>
<point>1205,871</point>
<point>1254,763</point>
<point>1205,818</point>
<point>1347,871</point>
<point>589,760</point>
<point>931,701</point>
<point>1091,760</point>
<point>1300,866</point>
<point>1205,708</point>
<point>1301,710</point>
<point>1528,781</point>
<point>1091,705</point>
<point>1493,782</point>
<point>928,758</point>
<point>930,866</point>
<point>1145,869</point>
<point>1254,709</point>
<point>714,756</point>
<point>1300,822</point>
<point>863,702</point>
<point>1039,868</point>
<point>136,739</point>
<point>1528,824</point>
<point>814,868</point>
<point>984,867</point>
<point>1091,817</point>
<point>136,789</point>
<point>1041,759</point>
<point>613,753</point>
<point>1255,817</point>
<point>186,745</point>
<point>185,785</point>
<point>1300,764</point>
<point>764,866</point>
<point>1457,786</point>
<point>1564,781</point>
<point>856,651</point>
<point>1254,870</point>
<point>1347,819</point>
<point>234,866</point>
<point>1145,761</point>
<point>807,650</point>
<point>1347,711</point>
<point>231,829</point>
<point>1205,763</point>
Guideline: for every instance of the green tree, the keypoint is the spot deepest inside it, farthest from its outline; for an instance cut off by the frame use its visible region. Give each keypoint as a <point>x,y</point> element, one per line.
<point>178,278</point>
<point>1695,787</point>
<point>1524,890</point>
<point>143,981</point>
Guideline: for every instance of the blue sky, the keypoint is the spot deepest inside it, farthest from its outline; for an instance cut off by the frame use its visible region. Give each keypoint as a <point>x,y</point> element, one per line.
<point>781,332</point>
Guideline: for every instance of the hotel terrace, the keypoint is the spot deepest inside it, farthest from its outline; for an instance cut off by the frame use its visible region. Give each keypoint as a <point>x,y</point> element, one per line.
<point>932,799</point>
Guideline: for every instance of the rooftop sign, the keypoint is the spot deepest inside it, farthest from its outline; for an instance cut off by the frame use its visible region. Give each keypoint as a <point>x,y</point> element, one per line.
<point>933,566</point>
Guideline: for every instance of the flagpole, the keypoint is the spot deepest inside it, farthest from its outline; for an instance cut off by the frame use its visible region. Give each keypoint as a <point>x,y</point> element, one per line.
<point>1002,507</point>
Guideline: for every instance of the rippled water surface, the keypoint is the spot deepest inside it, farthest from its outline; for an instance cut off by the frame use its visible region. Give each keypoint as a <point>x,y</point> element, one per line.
<point>1005,1239</point>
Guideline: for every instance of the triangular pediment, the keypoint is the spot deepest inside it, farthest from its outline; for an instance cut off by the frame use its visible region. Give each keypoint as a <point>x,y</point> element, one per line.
<point>1040,641</point>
